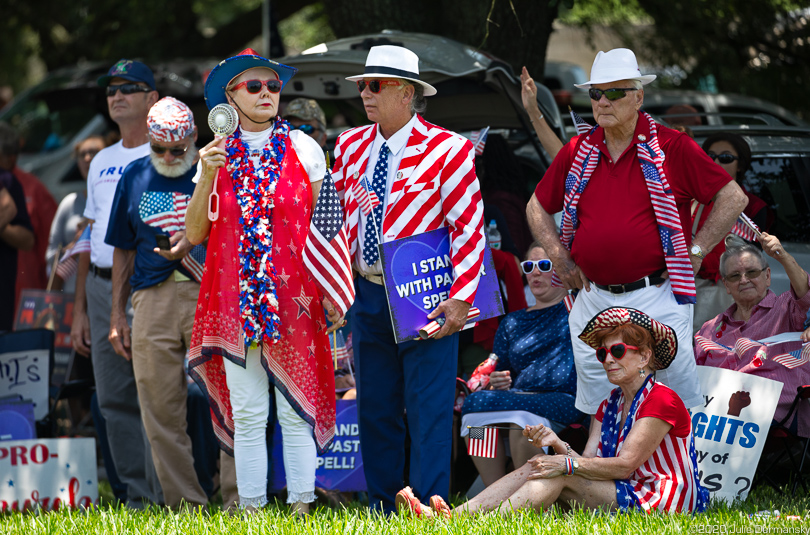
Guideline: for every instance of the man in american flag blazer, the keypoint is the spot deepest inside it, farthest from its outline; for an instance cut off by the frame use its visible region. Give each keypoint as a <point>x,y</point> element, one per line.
<point>424,177</point>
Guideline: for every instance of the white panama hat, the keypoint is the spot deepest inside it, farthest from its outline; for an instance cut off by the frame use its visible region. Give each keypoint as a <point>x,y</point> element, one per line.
<point>388,61</point>
<point>614,65</point>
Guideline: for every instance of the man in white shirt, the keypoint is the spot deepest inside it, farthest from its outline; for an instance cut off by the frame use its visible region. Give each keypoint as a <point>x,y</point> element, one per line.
<point>130,89</point>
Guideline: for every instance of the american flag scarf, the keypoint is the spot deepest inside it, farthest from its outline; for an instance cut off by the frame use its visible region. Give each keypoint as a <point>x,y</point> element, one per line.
<point>666,211</point>
<point>612,431</point>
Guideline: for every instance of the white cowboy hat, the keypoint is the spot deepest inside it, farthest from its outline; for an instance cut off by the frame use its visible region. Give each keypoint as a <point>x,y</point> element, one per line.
<point>387,61</point>
<point>614,65</point>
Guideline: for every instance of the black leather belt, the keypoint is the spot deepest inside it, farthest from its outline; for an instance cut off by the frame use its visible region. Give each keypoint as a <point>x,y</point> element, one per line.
<point>651,280</point>
<point>104,273</point>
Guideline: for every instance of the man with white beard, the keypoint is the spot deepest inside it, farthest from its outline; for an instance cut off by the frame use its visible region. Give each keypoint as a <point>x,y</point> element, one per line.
<point>154,260</point>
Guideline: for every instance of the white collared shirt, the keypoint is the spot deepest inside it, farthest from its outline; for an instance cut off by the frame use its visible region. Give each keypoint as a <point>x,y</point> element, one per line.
<point>396,144</point>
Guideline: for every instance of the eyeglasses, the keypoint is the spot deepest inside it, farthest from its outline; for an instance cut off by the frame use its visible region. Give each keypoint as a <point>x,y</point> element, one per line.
<point>87,152</point>
<point>305,128</point>
<point>616,350</point>
<point>176,151</point>
<point>724,158</point>
<point>751,274</point>
<point>612,94</point>
<point>254,86</point>
<point>544,266</point>
<point>375,85</point>
<point>127,89</point>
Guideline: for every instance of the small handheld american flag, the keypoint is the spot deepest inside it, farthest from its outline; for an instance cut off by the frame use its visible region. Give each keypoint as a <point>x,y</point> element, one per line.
<point>68,264</point>
<point>367,200</point>
<point>579,123</point>
<point>479,140</point>
<point>430,330</point>
<point>483,442</point>
<point>326,253</point>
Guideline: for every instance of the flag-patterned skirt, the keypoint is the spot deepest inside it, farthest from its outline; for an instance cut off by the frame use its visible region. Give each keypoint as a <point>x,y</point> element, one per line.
<point>299,365</point>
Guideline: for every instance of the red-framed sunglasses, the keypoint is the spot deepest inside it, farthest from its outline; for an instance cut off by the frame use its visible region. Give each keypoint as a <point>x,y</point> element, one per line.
<point>375,86</point>
<point>617,351</point>
<point>254,86</point>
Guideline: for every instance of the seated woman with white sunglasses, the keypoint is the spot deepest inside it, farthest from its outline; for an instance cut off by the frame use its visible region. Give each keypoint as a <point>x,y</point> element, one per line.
<point>534,381</point>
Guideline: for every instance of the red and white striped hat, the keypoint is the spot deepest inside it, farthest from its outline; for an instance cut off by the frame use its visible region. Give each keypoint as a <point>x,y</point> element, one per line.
<point>665,342</point>
<point>170,120</point>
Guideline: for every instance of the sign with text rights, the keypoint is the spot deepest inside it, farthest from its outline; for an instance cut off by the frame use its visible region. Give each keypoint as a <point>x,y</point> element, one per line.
<point>49,474</point>
<point>418,275</point>
<point>730,429</point>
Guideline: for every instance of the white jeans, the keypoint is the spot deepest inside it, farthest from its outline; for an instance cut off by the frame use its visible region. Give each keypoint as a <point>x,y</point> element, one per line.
<point>658,303</point>
<point>250,403</point>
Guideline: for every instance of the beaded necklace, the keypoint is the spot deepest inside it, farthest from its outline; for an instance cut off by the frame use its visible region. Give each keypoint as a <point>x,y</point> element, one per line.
<point>254,189</point>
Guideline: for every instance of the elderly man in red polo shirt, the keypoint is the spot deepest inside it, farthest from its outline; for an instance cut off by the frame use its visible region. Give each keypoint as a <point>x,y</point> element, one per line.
<point>625,189</point>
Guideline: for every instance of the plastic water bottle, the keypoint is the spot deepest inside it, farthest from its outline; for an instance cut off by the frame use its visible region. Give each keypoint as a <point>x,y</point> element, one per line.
<point>493,235</point>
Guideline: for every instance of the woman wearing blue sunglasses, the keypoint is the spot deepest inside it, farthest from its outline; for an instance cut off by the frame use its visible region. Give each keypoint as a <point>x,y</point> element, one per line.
<point>534,381</point>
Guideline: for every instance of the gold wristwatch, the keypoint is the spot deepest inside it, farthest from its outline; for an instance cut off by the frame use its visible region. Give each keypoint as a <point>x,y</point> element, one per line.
<point>697,251</point>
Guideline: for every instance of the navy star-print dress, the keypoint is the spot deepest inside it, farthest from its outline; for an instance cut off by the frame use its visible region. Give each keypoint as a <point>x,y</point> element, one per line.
<point>535,346</point>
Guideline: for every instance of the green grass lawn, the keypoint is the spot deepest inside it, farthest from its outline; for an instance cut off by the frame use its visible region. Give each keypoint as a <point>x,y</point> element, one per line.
<point>355,519</point>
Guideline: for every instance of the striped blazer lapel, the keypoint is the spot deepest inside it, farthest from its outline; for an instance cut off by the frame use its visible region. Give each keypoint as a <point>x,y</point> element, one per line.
<point>355,169</point>
<point>408,171</point>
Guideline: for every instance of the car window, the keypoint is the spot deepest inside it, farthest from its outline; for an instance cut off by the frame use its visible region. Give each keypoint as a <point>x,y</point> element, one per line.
<point>784,184</point>
<point>47,121</point>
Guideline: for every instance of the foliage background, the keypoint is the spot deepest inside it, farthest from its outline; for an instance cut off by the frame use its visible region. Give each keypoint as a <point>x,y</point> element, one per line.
<point>759,47</point>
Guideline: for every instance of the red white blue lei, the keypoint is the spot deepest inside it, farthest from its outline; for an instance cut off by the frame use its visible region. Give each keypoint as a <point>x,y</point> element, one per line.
<point>254,190</point>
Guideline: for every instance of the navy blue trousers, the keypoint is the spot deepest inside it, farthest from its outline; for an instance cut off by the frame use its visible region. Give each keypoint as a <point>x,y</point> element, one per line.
<point>417,377</point>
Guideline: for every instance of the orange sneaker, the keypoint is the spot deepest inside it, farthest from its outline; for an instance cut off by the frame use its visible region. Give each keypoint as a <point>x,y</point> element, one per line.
<point>440,507</point>
<point>405,499</point>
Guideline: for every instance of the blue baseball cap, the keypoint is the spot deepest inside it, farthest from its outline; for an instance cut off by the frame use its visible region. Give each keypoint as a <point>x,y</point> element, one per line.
<point>131,70</point>
<point>228,69</point>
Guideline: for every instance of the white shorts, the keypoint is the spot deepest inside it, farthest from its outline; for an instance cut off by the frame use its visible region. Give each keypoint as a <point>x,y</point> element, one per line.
<point>659,303</point>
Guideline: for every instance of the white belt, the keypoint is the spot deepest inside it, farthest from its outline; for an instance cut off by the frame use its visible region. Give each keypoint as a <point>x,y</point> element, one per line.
<point>376,279</point>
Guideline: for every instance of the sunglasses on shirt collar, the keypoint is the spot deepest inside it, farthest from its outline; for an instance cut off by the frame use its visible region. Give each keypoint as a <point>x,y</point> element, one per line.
<point>611,94</point>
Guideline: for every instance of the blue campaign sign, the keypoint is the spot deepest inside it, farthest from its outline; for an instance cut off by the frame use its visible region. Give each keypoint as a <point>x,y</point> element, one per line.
<point>418,275</point>
<point>340,468</point>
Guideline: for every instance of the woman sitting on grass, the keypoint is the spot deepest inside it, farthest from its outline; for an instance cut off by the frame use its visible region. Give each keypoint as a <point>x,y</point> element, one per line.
<point>640,453</point>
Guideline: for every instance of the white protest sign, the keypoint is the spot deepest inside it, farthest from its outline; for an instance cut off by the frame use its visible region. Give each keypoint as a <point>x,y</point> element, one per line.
<point>48,473</point>
<point>730,429</point>
<point>25,373</point>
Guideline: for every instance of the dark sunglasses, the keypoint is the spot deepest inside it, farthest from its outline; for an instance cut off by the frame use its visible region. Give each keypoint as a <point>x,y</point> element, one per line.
<point>254,86</point>
<point>127,89</point>
<point>612,94</point>
<point>751,274</point>
<point>724,158</point>
<point>616,350</point>
<point>176,151</point>
<point>305,128</point>
<point>375,85</point>
<point>544,266</point>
